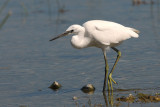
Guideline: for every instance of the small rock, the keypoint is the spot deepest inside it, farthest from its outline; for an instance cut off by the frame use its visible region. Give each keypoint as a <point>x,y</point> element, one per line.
<point>89,88</point>
<point>74,98</point>
<point>55,85</point>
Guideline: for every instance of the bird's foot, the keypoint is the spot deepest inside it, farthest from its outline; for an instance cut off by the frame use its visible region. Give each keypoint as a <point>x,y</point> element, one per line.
<point>111,79</point>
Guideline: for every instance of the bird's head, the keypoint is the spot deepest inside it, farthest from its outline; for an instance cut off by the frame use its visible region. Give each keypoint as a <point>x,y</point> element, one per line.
<point>73,29</point>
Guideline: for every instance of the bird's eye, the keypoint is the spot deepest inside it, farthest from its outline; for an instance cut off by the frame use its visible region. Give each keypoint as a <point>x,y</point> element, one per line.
<point>72,31</point>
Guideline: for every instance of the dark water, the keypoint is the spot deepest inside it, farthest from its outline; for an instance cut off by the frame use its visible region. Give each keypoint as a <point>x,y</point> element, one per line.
<point>29,63</point>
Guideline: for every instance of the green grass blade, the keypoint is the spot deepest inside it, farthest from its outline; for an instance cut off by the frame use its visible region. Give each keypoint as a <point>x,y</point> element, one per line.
<point>24,8</point>
<point>4,5</point>
<point>5,19</point>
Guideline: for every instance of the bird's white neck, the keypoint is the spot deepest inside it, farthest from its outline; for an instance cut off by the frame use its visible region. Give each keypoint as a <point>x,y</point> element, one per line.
<point>80,40</point>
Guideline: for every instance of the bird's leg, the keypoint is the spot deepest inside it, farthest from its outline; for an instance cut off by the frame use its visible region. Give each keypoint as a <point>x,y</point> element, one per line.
<point>106,71</point>
<point>110,79</point>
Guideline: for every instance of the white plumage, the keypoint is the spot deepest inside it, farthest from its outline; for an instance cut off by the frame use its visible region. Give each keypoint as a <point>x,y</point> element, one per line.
<point>101,34</point>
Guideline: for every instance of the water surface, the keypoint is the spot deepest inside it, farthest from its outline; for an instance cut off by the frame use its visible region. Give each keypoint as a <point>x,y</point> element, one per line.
<point>29,63</point>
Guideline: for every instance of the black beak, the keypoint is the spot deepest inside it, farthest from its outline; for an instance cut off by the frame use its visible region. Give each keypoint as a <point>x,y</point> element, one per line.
<point>61,35</point>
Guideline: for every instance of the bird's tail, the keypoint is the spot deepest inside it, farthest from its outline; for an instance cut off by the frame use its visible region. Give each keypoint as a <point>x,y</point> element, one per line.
<point>135,32</point>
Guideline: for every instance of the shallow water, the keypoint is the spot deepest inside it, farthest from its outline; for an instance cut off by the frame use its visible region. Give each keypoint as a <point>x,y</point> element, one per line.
<point>29,63</point>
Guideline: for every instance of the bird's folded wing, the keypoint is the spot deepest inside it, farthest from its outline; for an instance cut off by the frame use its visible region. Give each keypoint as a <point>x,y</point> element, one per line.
<point>106,32</point>
<point>110,35</point>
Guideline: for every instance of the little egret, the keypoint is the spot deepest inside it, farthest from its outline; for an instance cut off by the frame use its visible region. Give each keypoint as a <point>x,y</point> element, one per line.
<point>101,34</point>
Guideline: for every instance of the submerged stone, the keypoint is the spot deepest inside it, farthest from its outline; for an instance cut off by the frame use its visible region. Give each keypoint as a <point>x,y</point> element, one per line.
<point>129,98</point>
<point>55,85</point>
<point>89,88</point>
<point>145,98</point>
<point>140,97</point>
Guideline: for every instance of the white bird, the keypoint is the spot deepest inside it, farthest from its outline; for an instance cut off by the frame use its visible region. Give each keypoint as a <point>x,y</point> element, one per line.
<point>101,34</point>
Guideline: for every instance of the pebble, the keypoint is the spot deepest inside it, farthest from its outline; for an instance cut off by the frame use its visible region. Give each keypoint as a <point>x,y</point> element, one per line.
<point>89,88</point>
<point>55,85</point>
<point>74,98</point>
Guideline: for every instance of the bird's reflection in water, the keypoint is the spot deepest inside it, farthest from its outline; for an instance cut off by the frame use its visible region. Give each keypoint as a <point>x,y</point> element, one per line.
<point>109,99</point>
